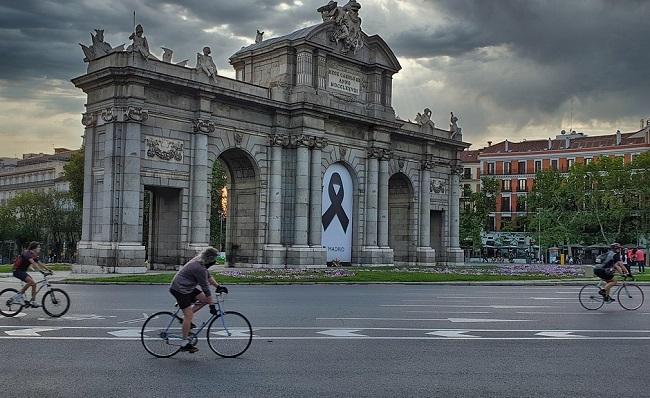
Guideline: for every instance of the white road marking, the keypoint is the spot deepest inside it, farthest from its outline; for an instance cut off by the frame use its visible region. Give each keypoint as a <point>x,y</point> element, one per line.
<point>450,312</point>
<point>553,298</point>
<point>234,333</point>
<point>465,320</point>
<point>469,306</point>
<point>342,333</point>
<point>619,338</point>
<point>452,333</point>
<point>137,320</point>
<point>559,334</point>
<point>29,332</point>
<point>472,320</point>
<point>79,317</point>
<point>126,333</point>
<point>560,313</point>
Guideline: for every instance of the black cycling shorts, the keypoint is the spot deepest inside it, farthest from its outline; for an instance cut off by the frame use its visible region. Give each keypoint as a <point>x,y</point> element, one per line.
<point>185,300</point>
<point>21,274</point>
<point>606,274</point>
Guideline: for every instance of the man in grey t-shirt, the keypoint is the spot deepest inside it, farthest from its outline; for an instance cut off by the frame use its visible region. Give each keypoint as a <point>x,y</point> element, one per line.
<point>184,289</point>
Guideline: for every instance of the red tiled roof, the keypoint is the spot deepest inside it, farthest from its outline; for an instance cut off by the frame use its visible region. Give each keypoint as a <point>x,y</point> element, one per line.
<point>469,156</point>
<point>560,144</point>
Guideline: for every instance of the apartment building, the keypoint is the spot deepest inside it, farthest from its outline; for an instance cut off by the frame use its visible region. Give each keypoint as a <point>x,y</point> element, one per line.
<point>515,164</point>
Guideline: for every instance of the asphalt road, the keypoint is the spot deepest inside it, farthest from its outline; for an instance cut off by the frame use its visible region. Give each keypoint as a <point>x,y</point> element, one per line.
<point>339,341</point>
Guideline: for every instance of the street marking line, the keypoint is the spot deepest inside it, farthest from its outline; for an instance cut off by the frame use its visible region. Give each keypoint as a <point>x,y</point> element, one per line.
<point>342,333</point>
<point>465,320</point>
<point>29,332</point>
<point>137,320</point>
<point>452,333</point>
<point>125,333</point>
<point>472,320</point>
<point>559,334</point>
<point>469,306</point>
<point>573,338</point>
<point>450,312</point>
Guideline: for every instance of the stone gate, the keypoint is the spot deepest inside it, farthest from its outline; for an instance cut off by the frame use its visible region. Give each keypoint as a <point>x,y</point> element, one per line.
<point>319,167</point>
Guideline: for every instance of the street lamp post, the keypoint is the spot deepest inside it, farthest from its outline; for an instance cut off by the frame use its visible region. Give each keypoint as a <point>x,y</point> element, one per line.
<point>539,234</point>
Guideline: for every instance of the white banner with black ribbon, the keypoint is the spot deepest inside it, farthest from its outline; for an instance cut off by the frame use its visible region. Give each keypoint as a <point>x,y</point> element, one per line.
<point>337,213</point>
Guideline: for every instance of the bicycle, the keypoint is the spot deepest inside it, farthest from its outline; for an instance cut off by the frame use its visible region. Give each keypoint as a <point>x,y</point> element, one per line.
<point>229,333</point>
<point>55,302</point>
<point>629,296</point>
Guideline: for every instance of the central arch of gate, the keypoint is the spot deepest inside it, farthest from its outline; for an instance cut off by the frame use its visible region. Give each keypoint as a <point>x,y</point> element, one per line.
<point>318,168</point>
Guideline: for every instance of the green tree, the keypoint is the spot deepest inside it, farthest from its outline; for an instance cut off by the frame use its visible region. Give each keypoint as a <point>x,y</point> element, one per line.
<point>73,172</point>
<point>219,180</point>
<point>475,210</point>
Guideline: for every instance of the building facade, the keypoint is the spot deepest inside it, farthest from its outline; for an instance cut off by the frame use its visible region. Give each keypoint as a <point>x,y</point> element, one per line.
<point>319,168</point>
<point>471,178</point>
<point>34,172</point>
<point>515,164</point>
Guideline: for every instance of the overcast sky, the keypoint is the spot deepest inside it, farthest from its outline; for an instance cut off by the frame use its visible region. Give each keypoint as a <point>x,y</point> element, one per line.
<point>509,69</point>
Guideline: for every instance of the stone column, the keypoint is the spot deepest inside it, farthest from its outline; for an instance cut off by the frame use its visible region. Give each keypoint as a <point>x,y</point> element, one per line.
<point>199,237</point>
<point>383,201</point>
<point>316,194</point>
<point>89,120</point>
<point>387,90</point>
<point>274,251</point>
<point>321,71</point>
<point>131,186</point>
<point>425,254</point>
<point>455,253</point>
<point>301,204</point>
<point>372,186</point>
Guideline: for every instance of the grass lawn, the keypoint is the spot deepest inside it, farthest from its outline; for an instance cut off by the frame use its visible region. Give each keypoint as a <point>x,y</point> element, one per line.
<point>229,277</point>
<point>54,267</point>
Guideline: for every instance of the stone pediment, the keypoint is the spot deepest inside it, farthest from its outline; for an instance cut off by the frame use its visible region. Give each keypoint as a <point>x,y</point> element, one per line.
<point>373,52</point>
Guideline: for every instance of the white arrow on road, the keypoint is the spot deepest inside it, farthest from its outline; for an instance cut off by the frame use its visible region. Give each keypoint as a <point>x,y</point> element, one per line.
<point>29,332</point>
<point>126,333</point>
<point>452,333</point>
<point>342,333</point>
<point>558,334</point>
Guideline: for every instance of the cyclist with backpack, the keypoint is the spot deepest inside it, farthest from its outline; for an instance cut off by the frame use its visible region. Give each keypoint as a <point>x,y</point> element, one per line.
<point>608,266</point>
<point>28,258</point>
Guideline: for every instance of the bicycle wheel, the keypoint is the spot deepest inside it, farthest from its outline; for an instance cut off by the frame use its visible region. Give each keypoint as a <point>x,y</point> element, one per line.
<point>55,302</point>
<point>159,333</point>
<point>230,334</point>
<point>630,296</point>
<point>7,306</point>
<point>589,297</point>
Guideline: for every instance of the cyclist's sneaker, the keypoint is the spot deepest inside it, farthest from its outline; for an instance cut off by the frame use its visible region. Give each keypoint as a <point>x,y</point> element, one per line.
<point>189,348</point>
<point>602,292</point>
<point>609,299</point>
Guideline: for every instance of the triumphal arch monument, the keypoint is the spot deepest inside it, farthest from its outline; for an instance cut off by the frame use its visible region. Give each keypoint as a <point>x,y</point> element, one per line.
<point>319,168</point>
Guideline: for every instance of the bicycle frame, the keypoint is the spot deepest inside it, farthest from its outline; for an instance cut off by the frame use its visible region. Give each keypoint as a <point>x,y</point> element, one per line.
<point>217,303</point>
<point>40,284</point>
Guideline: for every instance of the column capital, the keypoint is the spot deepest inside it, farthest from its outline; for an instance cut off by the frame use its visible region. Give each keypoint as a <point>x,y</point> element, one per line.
<point>135,114</point>
<point>379,153</point>
<point>89,119</point>
<point>299,140</point>
<point>203,126</point>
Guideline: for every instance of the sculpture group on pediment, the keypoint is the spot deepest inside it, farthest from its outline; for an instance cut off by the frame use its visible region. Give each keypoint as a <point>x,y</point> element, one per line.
<point>99,47</point>
<point>348,24</point>
<point>205,63</point>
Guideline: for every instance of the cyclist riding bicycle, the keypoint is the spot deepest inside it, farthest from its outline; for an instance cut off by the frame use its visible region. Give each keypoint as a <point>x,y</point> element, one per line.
<point>607,268</point>
<point>184,289</point>
<point>28,258</point>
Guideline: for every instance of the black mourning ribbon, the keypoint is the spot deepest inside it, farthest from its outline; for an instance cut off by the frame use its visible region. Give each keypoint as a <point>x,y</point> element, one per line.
<point>336,208</point>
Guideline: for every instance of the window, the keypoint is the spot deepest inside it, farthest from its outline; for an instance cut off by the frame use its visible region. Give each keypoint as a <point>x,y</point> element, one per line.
<point>467,188</point>
<point>588,160</point>
<point>505,204</point>
<point>538,166</point>
<point>478,172</point>
<point>467,173</point>
<point>571,162</point>
<point>521,185</point>
<point>554,164</point>
<point>490,168</point>
<point>506,222</point>
<point>521,203</point>
<point>505,185</point>
<point>507,168</point>
<point>522,167</point>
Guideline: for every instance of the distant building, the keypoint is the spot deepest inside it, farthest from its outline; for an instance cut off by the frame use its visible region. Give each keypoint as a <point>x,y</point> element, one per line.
<point>34,172</point>
<point>471,177</point>
<point>515,164</point>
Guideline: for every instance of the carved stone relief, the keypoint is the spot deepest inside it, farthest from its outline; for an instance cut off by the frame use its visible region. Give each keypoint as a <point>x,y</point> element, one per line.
<point>164,149</point>
<point>437,185</point>
<point>135,114</point>
<point>204,126</point>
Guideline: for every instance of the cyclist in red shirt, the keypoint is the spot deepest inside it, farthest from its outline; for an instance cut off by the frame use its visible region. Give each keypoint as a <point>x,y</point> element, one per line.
<point>26,259</point>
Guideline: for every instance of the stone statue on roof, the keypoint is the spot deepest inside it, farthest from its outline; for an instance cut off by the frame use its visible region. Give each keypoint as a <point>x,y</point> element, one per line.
<point>140,44</point>
<point>205,63</point>
<point>99,48</point>
<point>424,120</point>
<point>347,22</point>
<point>453,127</point>
<point>259,37</point>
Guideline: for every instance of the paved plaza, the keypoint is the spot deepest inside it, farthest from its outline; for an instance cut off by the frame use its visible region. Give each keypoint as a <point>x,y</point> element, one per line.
<point>334,340</point>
